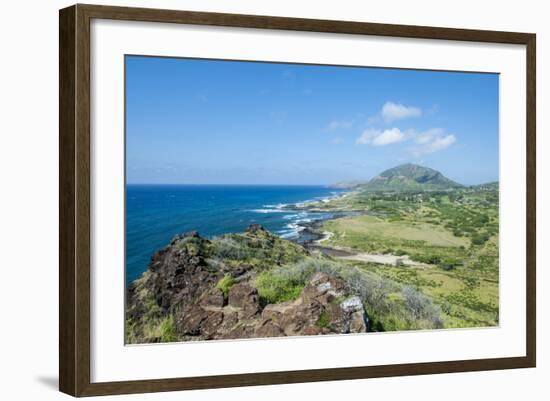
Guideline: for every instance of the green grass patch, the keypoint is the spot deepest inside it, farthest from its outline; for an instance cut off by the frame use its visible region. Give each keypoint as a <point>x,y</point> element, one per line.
<point>324,319</point>
<point>275,288</point>
<point>370,233</point>
<point>167,330</point>
<point>225,284</point>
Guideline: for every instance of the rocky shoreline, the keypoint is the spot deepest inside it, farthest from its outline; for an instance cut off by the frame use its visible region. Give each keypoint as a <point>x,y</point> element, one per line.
<point>311,232</point>
<point>201,289</point>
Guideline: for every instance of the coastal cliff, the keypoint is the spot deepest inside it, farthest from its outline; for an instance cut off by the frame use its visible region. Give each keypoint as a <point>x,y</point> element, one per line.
<point>253,284</point>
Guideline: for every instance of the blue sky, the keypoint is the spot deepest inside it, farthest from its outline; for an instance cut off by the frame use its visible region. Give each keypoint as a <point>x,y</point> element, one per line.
<point>226,122</point>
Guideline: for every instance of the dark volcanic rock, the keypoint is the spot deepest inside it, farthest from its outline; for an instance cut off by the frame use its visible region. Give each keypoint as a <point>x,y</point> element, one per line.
<point>181,287</point>
<point>212,298</point>
<point>269,329</point>
<point>180,271</point>
<point>314,312</point>
<point>238,331</point>
<point>255,229</point>
<point>317,311</point>
<point>189,321</point>
<point>244,297</point>
<point>212,323</point>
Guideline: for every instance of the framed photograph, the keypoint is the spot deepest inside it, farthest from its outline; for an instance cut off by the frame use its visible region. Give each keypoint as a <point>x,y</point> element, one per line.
<point>249,200</point>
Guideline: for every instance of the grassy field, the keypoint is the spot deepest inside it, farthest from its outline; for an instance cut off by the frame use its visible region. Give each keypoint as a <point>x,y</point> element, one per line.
<point>463,302</point>
<point>368,232</point>
<point>452,235</point>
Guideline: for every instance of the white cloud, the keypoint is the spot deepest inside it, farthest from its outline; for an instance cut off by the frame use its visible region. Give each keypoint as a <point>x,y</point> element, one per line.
<point>366,136</point>
<point>440,143</point>
<point>380,138</point>
<point>395,111</point>
<point>427,136</point>
<point>388,137</point>
<point>432,141</point>
<point>339,124</point>
<point>423,139</point>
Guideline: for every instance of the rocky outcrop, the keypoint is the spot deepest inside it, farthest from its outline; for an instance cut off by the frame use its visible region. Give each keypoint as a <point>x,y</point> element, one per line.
<point>177,274</point>
<point>184,283</point>
<point>324,307</point>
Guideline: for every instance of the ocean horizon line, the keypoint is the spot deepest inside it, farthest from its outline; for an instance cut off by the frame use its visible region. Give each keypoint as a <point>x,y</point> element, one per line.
<point>227,185</point>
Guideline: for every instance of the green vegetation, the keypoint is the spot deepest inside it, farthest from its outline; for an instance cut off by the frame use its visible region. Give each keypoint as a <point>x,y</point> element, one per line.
<point>276,286</point>
<point>225,284</point>
<point>167,330</point>
<point>387,306</point>
<point>370,233</point>
<point>324,319</point>
<point>452,235</point>
<point>449,231</point>
<point>285,283</point>
<point>259,250</point>
<point>390,303</point>
<point>153,326</point>
<point>410,177</point>
<point>160,330</point>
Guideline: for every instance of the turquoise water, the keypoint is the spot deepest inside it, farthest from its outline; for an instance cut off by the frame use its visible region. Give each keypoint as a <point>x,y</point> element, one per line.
<point>156,213</point>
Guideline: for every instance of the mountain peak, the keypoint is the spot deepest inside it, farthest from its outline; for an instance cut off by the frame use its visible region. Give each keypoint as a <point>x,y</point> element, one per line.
<point>407,169</point>
<point>410,176</point>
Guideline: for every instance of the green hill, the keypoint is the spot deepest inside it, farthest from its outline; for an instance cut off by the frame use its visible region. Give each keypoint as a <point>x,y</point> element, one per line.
<point>410,177</point>
<point>488,185</point>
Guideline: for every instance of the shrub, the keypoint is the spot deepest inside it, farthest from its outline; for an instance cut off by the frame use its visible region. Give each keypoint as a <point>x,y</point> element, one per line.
<point>430,259</point>
<point>228,248</point>
<point>192,245</point>
<point>373,290</point>
<point>480,239</point>
<point>167,330</point>
<point>324,319</point>
<point>387,304</point>
<point>285,283</point>
<point>225,284</point>
<point>152,331</point>
<point>421,308</point>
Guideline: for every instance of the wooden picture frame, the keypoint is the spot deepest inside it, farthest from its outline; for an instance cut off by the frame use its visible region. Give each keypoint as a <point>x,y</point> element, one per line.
<point>74,203</point>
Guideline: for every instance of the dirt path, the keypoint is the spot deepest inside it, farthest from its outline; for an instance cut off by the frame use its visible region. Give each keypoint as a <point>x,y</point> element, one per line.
<point>384,259</point>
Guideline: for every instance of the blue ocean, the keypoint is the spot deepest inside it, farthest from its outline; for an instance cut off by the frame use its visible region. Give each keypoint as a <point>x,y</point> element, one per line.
<point>156,213</point>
